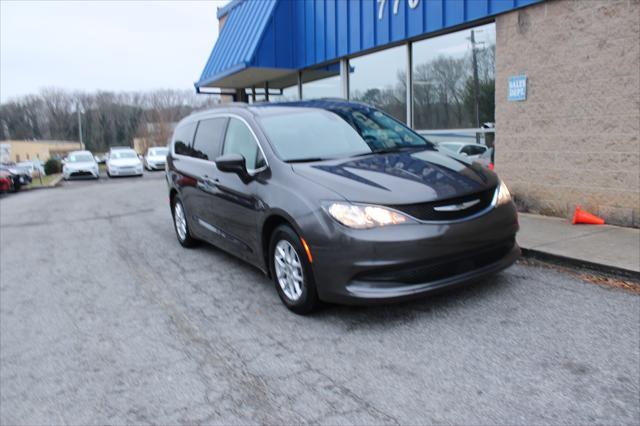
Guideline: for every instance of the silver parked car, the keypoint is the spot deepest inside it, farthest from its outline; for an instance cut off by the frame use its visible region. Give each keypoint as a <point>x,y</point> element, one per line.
<point>156,158</point>
<point>80,164</point>
<point>33,167</point>
<point>124,162</point>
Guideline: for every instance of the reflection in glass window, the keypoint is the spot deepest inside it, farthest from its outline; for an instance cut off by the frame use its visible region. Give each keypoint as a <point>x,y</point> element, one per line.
<point>182,138</point>
<point>321,82</point>
<point>443,80</point>
<point>240,140</point>
<point>206,144</point>
<point>379,79</point>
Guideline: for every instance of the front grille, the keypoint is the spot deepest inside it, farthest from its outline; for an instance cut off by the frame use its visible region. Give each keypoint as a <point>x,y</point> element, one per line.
<point>427,211</point>
<point>81,173</point>
<point>440,268</point>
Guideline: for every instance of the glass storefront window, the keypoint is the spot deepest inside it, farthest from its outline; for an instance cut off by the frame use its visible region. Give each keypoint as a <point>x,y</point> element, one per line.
<point>379,79</point>
<point>288,94</point>
<point>444,95</point>
<point>321,82</point>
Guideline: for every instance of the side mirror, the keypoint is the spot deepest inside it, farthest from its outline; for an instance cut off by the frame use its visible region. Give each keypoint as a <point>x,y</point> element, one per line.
<point>232,163</point>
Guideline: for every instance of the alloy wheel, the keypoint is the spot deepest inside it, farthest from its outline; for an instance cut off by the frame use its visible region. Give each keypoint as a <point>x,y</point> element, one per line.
<point>288,270</point>
<point>180,220</point>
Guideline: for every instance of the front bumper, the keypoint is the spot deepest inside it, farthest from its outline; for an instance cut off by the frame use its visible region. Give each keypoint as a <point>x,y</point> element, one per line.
<point>403,262</point>
<point>68,174</point>
<point>155,166</point>
<point>125,171</point>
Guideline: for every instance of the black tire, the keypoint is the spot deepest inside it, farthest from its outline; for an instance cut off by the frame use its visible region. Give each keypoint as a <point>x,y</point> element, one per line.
<point>187,241</point>
<point>308,300</point>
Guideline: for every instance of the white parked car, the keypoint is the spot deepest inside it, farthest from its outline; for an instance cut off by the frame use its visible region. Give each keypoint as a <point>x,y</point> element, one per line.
<point>470,150</point>
<point>80,164</point>
<point>155,158</point>
<point>124,162</point>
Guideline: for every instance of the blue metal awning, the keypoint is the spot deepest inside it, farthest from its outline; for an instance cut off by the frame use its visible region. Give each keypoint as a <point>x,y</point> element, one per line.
<point>235,60</point>
<point>270,40</point>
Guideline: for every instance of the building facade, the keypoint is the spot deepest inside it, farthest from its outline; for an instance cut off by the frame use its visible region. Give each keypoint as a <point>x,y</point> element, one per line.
<point>16,151</point>
<point>559,80</point>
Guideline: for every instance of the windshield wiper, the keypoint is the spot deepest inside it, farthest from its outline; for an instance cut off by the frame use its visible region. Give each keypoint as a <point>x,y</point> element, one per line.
<point>305,160</point>
<point>392,150</point>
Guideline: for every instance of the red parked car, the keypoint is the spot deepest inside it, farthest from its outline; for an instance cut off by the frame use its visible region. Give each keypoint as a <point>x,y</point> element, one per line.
<point>5,181</point>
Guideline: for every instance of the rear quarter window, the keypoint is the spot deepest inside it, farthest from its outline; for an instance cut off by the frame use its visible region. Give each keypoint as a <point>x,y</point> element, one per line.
<point>208,139</point>
<point>183,139</point>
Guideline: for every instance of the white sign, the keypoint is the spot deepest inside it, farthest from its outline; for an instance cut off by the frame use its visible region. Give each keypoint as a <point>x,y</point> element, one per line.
<point>396,4</point>
<point>517,88</point>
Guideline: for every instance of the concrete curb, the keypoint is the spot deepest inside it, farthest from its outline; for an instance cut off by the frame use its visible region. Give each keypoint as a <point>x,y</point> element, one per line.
<point>560,260</point>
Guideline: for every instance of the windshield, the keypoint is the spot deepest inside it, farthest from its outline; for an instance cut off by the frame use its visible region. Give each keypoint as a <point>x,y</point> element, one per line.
<point>316,134</point>
<point>159,152</point>
<point>124,154</point>
<point>78,158</point>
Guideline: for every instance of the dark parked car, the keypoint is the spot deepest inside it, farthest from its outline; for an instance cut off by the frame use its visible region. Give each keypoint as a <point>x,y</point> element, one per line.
<point>18,177</point>
<point>337,202</point>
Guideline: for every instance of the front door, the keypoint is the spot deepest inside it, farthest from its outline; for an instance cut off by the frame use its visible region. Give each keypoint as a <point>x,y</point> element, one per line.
<point>207,145</point>
<point>238,204</point>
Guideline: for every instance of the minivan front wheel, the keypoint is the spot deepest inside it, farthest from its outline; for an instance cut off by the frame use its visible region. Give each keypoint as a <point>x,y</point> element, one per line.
<point>181,226</point>
<point>291,271</point>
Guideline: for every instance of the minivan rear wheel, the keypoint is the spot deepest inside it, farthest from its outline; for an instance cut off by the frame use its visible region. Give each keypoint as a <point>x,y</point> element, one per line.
<point>291,271</point>
<point>181,225</point>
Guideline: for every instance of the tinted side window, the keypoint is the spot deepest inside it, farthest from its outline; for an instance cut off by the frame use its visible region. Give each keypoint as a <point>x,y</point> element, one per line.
<point>240,140</point>
<point>182,139</point>
<point>206,144</point>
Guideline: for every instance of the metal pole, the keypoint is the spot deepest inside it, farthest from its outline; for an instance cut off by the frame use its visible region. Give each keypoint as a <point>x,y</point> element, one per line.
<point>79,125</point>
<point>409,82</point>
<point>299,85</point>
<point>476,83</point>
<point>344,78</point>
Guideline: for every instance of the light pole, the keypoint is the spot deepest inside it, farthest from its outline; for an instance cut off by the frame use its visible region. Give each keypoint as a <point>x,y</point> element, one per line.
<point>476,82</point>
<point>79,111</point>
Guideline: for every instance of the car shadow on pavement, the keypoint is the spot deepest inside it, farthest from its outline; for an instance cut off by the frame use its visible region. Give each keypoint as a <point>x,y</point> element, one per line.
<point>434,304</point>
<point>475,292</point>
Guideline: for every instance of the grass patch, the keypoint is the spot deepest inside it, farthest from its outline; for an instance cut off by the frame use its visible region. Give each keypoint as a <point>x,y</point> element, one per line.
<point>46,180</point>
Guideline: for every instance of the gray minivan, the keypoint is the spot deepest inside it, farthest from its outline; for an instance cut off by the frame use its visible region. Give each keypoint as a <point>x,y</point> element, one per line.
<point>337,201</point>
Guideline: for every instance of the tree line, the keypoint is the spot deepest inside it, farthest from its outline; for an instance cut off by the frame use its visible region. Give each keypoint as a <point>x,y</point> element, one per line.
<point>108,118</point>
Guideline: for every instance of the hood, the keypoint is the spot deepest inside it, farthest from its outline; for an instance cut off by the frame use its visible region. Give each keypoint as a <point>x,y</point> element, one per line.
<point>399,178</point>
<point>81,165</point>
<point>124,162</point>
<point>156,158</point>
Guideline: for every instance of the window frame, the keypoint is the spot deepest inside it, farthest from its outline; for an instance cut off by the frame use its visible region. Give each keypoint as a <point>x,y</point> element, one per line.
<point>228,116</point>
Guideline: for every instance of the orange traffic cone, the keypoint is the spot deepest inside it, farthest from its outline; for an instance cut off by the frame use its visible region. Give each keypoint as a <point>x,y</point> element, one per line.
<point>581,216</point>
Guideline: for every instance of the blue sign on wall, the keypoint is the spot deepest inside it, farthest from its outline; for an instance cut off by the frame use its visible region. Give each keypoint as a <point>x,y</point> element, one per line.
<point>517,88</point>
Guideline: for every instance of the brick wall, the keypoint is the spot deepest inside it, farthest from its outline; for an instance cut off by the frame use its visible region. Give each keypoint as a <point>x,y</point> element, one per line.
<point>576,139</point>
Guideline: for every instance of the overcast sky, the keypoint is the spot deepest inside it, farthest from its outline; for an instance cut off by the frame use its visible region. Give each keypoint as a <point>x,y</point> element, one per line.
<point>104,45</point>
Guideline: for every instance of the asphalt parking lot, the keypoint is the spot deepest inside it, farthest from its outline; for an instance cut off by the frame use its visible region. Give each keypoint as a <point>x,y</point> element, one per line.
<point>105,319</point>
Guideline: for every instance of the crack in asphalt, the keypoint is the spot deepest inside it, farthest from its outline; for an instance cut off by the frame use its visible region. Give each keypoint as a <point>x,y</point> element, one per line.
<point>79,220</point>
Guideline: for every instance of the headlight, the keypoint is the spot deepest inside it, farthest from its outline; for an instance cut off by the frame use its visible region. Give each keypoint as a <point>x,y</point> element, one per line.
<point>503,195</point>
<point>362,217</point>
